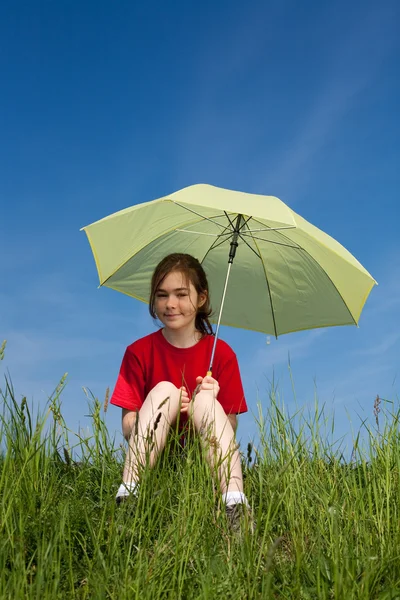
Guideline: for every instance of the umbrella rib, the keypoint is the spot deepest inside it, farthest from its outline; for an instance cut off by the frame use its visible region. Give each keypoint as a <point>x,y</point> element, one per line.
<point>156,238</point>
<point>319,267</point>
<point>213,246</point>
<point>269,289</point>
<point>269,229</point>
<point>259,222</point>
<point>326,274</point>
<point>272,242</point>
<point>198,214</point>
<point>245,223</point>
<point>217,235</point>
<point>247,244</point>
<point>272,228</point>
<point>227,216</point>
<point>232,225</point>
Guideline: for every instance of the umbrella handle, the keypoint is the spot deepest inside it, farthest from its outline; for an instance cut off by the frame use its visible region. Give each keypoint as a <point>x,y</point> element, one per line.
<point>209,373</point>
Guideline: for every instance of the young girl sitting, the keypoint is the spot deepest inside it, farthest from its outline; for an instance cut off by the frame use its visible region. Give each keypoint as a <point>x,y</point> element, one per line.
<point>162,377</point>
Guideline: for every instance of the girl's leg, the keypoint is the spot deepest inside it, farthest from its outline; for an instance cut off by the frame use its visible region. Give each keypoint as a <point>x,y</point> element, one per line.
<point>158,412</point>
<point>222,451</point>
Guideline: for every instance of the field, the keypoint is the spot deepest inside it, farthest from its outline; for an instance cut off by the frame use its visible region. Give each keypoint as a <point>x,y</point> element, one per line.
<point>326,527</point>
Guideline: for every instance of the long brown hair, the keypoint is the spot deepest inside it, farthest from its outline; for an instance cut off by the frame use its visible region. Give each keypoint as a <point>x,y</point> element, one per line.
<point>192,270</point>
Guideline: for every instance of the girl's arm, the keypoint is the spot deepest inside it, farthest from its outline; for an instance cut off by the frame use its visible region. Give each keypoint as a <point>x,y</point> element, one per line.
<point>128,422</point>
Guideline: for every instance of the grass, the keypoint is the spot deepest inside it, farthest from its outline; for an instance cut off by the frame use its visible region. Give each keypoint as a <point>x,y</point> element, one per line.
<point>326,528</point>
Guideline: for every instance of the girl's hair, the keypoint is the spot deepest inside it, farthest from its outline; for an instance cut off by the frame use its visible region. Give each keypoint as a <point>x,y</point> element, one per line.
<point>193,272</point>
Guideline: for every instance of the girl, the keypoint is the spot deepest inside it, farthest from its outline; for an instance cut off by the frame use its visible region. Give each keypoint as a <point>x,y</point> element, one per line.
<point>162,377</point>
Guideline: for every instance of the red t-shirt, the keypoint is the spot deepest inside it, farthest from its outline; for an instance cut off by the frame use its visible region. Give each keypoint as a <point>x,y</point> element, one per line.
<point>152,359</point>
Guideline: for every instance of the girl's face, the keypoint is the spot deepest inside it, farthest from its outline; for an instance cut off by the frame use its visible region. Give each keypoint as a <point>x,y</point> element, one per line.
<point>176,304</point>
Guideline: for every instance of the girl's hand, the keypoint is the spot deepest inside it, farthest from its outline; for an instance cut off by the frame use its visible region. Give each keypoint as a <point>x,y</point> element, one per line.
<point>185,400</point>
<point>207,384</point>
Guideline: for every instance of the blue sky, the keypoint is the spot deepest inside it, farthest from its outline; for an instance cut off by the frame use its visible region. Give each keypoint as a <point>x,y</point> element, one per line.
<point>104,105</point>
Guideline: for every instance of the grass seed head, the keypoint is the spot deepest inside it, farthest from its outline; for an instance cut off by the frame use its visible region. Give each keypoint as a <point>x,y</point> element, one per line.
<point>106,399</point>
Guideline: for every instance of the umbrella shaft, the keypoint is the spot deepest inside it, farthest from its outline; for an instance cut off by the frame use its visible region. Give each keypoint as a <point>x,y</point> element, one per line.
<point>232,252</point>
<point>219,317</point>
<point>234,242</point>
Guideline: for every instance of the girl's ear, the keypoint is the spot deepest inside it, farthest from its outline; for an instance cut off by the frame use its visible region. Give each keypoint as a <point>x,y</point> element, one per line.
<point>202,299</point>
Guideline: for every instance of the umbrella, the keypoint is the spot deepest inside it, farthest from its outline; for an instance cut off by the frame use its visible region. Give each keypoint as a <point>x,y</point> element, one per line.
<point>288,275</point>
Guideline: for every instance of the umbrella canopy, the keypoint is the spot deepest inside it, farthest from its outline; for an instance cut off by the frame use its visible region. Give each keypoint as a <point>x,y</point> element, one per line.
<point>288,275</point>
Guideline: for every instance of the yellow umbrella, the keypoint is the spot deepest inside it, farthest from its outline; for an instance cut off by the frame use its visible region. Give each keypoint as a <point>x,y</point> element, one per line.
<point>288,274</point>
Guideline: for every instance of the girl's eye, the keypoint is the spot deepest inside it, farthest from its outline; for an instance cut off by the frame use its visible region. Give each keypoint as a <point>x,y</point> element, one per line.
<point>165,295</point>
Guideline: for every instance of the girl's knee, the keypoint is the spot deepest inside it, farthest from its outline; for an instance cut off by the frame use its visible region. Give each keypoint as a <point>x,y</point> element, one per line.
<point>205,405</point>
<point>164,387</point>
<point>165,391</point>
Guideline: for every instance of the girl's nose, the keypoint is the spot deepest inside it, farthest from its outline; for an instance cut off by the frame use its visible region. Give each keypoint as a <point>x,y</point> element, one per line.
<point>171,302</point>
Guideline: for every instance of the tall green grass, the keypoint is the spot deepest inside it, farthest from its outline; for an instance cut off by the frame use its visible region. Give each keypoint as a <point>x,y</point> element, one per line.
<point>326,528</point>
